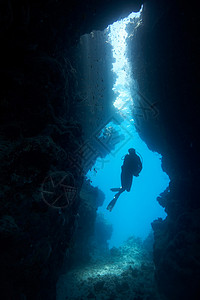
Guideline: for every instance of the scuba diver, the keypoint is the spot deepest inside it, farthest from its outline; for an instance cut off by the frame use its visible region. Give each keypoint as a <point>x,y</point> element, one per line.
<point>132,166</point>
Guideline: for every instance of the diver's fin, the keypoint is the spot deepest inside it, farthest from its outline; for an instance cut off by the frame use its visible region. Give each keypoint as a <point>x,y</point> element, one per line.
<point>111,204</point>
<point>115,189</point>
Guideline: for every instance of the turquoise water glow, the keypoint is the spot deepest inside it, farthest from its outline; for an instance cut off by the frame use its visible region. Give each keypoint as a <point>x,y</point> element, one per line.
<point>135,210</point>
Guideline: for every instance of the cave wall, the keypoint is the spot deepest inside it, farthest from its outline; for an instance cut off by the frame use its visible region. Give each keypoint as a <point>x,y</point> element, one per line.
<point>85,239</point>
<point>164,55</point>
<point>93,61</point>
<point>39,136</point>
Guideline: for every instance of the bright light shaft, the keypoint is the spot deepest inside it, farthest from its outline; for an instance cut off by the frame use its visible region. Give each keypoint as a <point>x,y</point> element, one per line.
<point>121,67</point>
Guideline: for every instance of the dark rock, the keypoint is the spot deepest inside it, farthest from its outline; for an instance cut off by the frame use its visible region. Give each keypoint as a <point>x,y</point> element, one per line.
<point>99,285</point>
<point>115,251</point>
<point>122,287</point>
<point>40,134</point>
<point>91,296</point>
<point>163,53</point>
<point>8,227</point>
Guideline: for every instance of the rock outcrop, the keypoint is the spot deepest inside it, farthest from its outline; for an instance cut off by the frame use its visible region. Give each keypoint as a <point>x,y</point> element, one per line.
<point>40,177</point>
<point>164,57</point>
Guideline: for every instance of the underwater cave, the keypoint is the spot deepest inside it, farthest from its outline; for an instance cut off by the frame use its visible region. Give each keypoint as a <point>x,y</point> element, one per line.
<point>129,225</point>
<point>83,83</point>
<point>131,217</point>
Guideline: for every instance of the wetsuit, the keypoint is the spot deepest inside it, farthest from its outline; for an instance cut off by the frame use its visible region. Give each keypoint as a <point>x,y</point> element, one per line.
<point>131,167</point>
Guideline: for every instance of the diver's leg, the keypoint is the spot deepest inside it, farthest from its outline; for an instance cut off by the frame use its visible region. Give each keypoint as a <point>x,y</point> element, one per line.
<point>115,189</point>
<point>129,183</point>
<point>123,178</point>
<point>126,180</point>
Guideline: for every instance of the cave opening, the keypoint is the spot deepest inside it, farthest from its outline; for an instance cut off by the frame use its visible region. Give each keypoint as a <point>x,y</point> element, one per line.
<point>120,249</point>
<point>134,211</point>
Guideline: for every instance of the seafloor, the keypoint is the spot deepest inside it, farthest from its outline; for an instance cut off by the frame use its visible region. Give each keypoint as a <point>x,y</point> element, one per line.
<point>126,272</point>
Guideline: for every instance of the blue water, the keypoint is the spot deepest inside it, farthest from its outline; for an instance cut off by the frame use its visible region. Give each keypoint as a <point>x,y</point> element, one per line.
<point>134,211</point>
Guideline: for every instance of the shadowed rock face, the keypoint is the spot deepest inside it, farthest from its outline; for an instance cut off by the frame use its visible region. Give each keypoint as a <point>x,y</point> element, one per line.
<point>39,135</point>
<point>164,55</point>
<point>40,179</point>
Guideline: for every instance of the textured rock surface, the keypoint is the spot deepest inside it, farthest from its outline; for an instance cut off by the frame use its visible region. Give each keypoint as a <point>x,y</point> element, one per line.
<point>121,273</point>
<point>164,56</point>
<point>85,239</point>
<point>39,135</point>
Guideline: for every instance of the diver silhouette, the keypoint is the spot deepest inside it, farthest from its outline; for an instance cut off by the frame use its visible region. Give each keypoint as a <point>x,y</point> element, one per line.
<point>132,166</point>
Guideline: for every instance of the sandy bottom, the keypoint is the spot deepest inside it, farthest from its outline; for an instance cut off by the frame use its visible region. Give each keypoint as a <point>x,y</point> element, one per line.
<point>123,273</point>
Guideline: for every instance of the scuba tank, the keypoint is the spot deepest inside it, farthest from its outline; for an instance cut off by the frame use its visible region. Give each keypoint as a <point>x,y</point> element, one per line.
<point>122,158</point>
<point>140,157</point>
